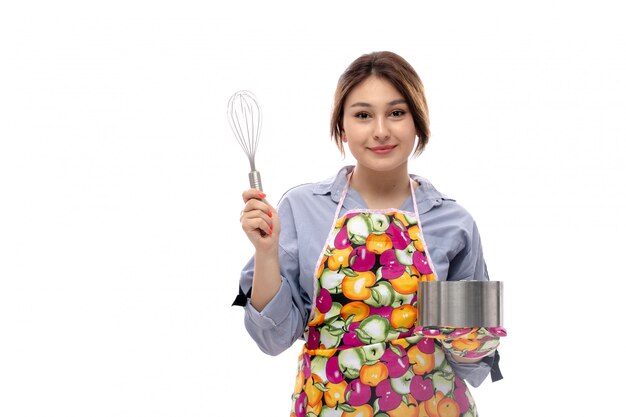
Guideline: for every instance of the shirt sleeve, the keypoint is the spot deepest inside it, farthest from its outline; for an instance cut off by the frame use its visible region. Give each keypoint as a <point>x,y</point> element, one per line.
<point>469,264</point>
<point>282,320</point>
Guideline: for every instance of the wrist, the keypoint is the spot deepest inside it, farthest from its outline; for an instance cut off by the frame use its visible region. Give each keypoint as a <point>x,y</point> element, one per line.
<point>265,253</point>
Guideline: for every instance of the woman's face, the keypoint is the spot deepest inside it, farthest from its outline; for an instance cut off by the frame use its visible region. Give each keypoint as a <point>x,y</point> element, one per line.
<point>378,126</point>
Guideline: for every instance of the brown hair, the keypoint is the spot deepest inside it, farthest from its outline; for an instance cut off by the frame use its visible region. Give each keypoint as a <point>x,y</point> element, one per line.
<point>396,70</point>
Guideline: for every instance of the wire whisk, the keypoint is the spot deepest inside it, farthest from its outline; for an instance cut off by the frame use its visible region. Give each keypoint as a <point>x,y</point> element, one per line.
<point>245,119</point>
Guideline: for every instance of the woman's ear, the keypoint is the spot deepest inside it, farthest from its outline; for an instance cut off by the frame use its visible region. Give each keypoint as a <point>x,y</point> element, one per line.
<point>344,139</point>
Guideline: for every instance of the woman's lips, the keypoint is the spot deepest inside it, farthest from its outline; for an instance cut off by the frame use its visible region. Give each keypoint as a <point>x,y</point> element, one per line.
<point>381,150</point>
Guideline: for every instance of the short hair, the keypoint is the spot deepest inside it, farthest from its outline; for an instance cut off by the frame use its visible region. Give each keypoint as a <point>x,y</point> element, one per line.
<point>393,68</point>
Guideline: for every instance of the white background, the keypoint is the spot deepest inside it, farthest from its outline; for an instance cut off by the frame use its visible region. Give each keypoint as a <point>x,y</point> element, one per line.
<point>120,185</point>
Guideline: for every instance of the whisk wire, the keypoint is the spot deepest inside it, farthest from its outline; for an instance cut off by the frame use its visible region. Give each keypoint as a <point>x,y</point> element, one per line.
<point>245,119</point>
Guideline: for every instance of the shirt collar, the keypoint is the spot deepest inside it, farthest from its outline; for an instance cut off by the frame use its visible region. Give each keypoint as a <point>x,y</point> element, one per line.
<point>427,196</point>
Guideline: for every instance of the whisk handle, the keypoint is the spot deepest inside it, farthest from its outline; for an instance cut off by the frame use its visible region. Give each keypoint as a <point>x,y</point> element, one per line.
<point>255,180</point>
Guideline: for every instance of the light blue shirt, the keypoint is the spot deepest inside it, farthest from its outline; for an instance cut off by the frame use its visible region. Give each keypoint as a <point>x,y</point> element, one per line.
<point>306,215</point>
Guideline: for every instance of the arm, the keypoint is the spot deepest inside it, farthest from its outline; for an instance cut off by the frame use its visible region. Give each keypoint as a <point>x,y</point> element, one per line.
<point>276,312</point>
<point>260,222</point>
<point>469,264</point>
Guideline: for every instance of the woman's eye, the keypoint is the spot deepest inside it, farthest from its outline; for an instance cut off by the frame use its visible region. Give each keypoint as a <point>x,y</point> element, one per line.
<point>398,113</point>
<point>361,115</point>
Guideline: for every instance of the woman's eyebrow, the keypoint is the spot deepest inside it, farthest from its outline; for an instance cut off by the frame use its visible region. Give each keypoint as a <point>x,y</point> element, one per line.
<point>397,101</point>
<point>391,103</point>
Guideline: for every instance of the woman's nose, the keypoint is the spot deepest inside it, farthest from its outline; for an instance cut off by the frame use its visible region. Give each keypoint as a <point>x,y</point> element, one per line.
<point>381,130</point>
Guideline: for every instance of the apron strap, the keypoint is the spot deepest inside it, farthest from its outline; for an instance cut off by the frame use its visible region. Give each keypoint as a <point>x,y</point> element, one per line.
<point>417,215</point>
<point>344,193</point>
<point>494,362</point>
<point>496,374</point>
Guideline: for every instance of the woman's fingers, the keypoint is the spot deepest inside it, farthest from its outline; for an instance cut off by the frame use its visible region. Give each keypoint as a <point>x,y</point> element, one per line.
<point>258,216</point>
<point>253,225</point>
<point>257,209</point>
<point>252,193</point>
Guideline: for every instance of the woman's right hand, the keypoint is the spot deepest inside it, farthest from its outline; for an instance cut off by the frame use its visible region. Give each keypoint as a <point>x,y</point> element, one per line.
<point>259,220</point>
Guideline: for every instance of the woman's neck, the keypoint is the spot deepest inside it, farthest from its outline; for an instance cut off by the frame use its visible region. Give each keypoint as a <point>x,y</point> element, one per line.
<point>382,190</point>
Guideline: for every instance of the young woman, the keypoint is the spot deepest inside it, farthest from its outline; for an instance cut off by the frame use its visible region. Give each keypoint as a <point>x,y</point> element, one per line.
<point>338,264</point>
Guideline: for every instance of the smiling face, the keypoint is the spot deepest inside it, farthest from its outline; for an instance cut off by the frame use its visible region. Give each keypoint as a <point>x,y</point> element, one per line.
<point>378,126</point>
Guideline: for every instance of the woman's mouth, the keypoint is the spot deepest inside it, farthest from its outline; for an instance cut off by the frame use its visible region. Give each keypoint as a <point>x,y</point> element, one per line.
<point>381,150</point>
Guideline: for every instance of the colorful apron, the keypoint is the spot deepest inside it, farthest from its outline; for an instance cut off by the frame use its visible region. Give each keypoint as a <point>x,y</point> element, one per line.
<point>363,355</point>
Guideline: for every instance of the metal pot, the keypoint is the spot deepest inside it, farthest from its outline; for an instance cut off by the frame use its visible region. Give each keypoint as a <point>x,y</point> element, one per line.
<point>460,304</point>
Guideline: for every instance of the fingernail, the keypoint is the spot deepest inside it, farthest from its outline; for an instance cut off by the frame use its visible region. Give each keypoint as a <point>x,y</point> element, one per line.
<point>270,214</point>
<point>262,195</point>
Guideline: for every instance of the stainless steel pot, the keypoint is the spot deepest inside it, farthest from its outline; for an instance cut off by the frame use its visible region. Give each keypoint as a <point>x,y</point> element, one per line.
<point>460,303</point>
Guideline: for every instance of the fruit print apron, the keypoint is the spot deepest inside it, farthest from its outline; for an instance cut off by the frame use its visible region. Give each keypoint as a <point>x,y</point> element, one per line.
<point>363,355</point>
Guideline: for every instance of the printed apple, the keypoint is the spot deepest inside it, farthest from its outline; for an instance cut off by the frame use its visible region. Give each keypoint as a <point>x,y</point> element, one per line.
<point>359,227</point>
<point>402,299</point>
<point>380,223</point>
<point>330,336</point>
<point>300,405</point>
<point>421,263</point>
<point>398,234</point>
<point>323,301</point>
<point>373,374</point>
<point>388,399</point>
<point>350,338</point>
<point>405,283</point>
<point>426,345</point>
<point>374,352</point>
<point>313,339</point>
<point>443,382</point>
<point>334,311</point>
<point>400,217</point>
<point>411,220</point>
<point>330,412</point>
<point>378,243</point>
<point>338,258</point>
<point>350,362</point>
<point>306,365</point>
<point>318,367</point>
<point>333,373</point>
<point>402,384</point>
<point>361,259</point>
<point>331,280</point>
<point>373,329</point>
<point>422,388</point>
<point>358,310</point>
<point>335,394</point>
<point>396,360</point>
<point>341,239</point>
<point>405,256</point>
<point>382,294</point>
<point>358,393</point>
<point>391,267</point>
<point>440,357</point>
<point>358,287</point>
